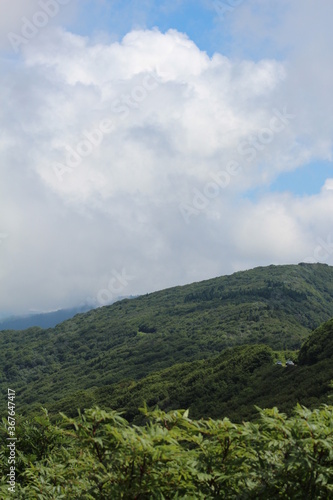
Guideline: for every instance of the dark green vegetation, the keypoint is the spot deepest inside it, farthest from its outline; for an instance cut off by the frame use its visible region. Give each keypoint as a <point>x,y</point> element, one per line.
<point>228,385</point>
<point>319,346</point>
<point>100,456</point>
<point>104,355</point>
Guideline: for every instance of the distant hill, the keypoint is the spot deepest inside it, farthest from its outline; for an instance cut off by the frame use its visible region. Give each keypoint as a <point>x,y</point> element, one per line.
<point>43,320</point>
<point>46,320</point>
<point>275,306</point>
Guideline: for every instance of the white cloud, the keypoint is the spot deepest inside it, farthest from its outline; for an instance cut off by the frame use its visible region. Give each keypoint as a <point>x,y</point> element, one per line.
<point>300,33</point>
<point>172,108</point>
<point>175,117</point>
<point>281,228</point>
<point>328,184</point>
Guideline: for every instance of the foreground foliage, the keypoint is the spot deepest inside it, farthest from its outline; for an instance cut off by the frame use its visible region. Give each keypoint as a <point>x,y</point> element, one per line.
<point>99,455</point>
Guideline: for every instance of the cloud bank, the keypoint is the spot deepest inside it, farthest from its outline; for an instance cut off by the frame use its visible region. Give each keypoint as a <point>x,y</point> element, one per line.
<point>137,155</point>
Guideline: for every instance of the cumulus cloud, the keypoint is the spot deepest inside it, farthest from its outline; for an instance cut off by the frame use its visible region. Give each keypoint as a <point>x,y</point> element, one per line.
<point>300,34</point>
<point>135,154</point>
<point>172,110</point>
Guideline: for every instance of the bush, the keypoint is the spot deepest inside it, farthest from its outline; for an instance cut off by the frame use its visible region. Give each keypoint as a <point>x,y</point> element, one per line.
<point>100,456</point>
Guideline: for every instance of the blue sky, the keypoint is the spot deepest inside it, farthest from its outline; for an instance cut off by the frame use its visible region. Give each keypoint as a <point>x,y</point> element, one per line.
<point>197,19</point>
<point>134,158</point>
<point>305,181</point>
<point>209,23</point>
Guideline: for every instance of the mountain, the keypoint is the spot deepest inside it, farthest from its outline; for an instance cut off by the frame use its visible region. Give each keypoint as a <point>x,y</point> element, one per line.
<point>88,355</point>
<point>43,320</point>
<point>231,384</point>
<point>47,320</point>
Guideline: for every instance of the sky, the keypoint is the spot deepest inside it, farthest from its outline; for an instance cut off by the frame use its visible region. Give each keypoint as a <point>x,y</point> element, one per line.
<point>147,144</point>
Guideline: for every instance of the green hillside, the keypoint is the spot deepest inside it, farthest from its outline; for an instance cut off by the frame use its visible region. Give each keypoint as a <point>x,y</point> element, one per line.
<point>277,306</point>
<point>229,385</point>
<point>319,345</point>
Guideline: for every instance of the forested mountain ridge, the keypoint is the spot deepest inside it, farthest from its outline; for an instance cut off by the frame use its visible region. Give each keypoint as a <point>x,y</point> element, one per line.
<point>229,385</point>
<point>277,306</point>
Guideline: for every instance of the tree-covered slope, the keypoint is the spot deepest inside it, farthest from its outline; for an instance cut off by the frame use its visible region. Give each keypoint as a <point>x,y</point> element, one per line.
<point>229,385</point>
<point>319,345</point>
<point>277,306</point>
